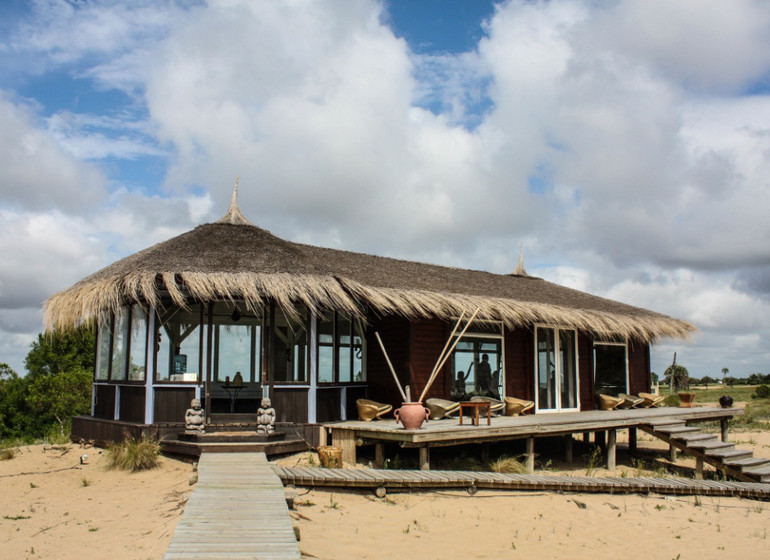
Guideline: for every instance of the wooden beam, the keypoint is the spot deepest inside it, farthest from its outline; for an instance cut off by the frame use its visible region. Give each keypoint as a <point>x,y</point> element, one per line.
<point>612,436</point>
<point>698,468</point>
<point>568,448</point>
<point>379,455</point>
<point>723,425</point>
<point>632,440</point>
<point>425,458</point>
<point>346,440</point>
<point>530,455</point>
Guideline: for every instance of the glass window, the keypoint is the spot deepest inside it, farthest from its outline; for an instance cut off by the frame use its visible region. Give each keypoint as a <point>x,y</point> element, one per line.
<point>103,346</point>
<point>290,359</point>
<point>610,369</point>
<point>137,344</point>
<point>557,381</point>
<point>341,349</point>
<point>119,345</point>
<point>179,340</point>
<point>476,367</point>
<point>237,343</point>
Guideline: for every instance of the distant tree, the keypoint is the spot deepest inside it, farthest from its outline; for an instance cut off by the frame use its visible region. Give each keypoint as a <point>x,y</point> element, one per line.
<point>55,399</point>
<point>705,380</point>
<point>729,381</point>
<point>61,350</point>
<point>654,377</point>
<point>725,371</point>
<point>679,377</point>
<point>14,414</point>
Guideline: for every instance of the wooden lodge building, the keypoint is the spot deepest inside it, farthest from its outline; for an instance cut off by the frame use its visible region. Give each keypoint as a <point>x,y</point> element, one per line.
<point>229,302</point>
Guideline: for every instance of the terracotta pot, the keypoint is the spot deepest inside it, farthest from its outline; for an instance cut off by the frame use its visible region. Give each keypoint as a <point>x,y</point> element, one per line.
<point>411,415</point>
<point>688,400</point>
<point>725,401</point>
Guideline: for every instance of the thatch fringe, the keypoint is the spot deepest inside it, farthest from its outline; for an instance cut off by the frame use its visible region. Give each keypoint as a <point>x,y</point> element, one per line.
<point>94,298</point>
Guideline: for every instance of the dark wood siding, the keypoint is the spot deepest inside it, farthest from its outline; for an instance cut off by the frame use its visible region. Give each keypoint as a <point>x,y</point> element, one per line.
<point>394,332</point>
<point>171,403</point>
<point>290,404</point>
<point>132,404</point>
<point>328,404</point>
<point>638,368</point>
<point>519,364</point>
<point>428,339</point>
<point>105,402</point>
<point>586,372</point>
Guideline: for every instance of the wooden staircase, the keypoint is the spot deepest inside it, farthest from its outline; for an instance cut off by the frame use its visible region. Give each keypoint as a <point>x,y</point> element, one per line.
<point>739,464</point>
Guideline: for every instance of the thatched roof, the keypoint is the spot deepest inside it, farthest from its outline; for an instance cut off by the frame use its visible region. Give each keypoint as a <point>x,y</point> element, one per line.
<point>233,259</point>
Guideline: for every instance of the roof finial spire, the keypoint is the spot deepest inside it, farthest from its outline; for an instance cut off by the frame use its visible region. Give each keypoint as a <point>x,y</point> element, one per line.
<point>520,270</point>
<point>234,215</point>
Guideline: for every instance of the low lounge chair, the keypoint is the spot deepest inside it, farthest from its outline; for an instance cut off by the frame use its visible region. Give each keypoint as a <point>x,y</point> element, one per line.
<point>650,400</point>
<point>629,401</point>
<point>495,405</point>
<point>441,408</point>
<point>607,402</point>
<point>369,410</point>
<point>515,407</point>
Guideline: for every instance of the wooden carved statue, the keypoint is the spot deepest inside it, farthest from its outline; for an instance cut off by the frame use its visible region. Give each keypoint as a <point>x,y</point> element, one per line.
<point>195,418</point>
<point>266,417</point>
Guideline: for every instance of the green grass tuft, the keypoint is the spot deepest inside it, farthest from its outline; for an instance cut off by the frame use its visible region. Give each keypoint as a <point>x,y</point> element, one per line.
<point>133,455</point>
<point>507,464</point>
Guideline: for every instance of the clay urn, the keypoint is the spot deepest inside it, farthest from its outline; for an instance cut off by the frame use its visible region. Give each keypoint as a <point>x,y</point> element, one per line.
<point>687,398</point>
<point>725,401</point>
<point>412,415</point>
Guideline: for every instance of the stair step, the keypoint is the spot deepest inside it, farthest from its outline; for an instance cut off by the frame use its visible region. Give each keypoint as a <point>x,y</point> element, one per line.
<point>667,424</point>
<point>687,438</point>
<point>676,430</point>
<point>728,453</point>
<point>711,444</point>
<point>763,470</point>
<point>745,462</point>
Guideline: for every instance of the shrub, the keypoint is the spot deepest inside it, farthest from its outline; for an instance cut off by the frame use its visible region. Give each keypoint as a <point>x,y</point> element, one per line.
<point>133,454</point>
<point>7,454</point>
<point>761,392</point>
<point>508,465</point>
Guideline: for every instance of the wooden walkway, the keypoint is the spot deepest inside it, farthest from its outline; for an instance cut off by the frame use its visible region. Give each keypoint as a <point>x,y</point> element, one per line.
<point>237,510</point>
<point>419,479</point>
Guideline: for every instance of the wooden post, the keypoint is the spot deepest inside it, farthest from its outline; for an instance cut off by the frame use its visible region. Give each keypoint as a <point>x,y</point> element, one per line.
<point>632,440</point>
<point>698,468</point>
<point>322,436</point>
<point>530,455</point>
<point>723,424</point>
<point>485,452</point>
<point>568,448</point>
<point>379,455</point>
<point>346,440</point>
<point>672,453</point>
<point>425,458</point>
<point>611,448</point>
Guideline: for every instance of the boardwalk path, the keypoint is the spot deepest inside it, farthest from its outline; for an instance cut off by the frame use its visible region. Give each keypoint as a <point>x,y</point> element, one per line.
<point>238,510</point>
<point>414,479</point>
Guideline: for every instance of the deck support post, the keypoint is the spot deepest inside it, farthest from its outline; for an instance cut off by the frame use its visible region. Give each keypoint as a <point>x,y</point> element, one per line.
<point>568,448</point>
<point>672,453</point>
<point>425,458</point>
<point>723,425</point>
<point>322,436</point>
<point>346,440</point>
<point>612,437</point>
<point>632,431</point>
<point>530,455</point>
<point>379,455</point>
<point>698,468</point>
<point>485,452</point>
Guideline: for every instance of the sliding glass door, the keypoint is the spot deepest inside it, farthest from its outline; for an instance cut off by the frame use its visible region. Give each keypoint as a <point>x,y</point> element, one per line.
<point>556,370</point>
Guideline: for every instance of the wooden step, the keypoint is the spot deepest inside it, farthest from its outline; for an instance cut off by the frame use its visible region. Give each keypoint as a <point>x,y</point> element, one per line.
<point>687,438</point>
<point>713,443</point>
<point>666,424</point>
<point>759,471</point>
<point>674,431</point>
<point>728,453</point>
<point>745,462</point>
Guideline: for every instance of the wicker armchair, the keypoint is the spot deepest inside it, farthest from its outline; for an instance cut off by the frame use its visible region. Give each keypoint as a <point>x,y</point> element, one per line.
<point>607,402</point>
<point>369,410</point>
<point>629,401</point>
<point>650,400</point>
<point>441,408</point>
<point>516,407</point>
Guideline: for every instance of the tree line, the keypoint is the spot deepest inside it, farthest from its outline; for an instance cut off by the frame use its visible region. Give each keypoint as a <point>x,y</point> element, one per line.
<point>56,387</point>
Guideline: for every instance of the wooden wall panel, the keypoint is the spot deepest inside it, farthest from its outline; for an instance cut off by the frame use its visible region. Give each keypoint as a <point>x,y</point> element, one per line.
<point>328,405</point>
<point>519,364</point>
<point>105,402</point>
<point>290,404</point>
<point>171,403</point>
<point>394,332</point>
<point>586,372</point>
<point>638,368</point>
<point>428,339</point>
<point>132,404</point>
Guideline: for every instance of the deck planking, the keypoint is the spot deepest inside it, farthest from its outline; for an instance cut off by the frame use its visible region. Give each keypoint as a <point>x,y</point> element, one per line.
<point>419,479</point>
<point>237,510</point>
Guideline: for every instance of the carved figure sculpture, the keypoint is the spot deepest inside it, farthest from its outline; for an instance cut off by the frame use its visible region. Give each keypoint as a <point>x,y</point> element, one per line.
<point>195,418</point>
<point>266,417</point>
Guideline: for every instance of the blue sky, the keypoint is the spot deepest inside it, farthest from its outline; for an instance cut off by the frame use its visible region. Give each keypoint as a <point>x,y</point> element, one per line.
<point>625,144</point>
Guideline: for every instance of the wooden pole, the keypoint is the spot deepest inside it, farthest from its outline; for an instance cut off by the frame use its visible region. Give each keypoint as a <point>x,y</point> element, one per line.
<point>441,355</point>
<point>393,371</point>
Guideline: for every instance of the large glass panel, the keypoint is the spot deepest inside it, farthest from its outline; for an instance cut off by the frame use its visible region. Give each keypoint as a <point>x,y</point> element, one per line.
<point>477,367</point>
<point>119,343</point>
<point>546,369</point>
<point>344,355</point>
<point>179,345</point>
<point>610,369</point>
<point>138,345</point>
<point>103,350</point>
<point>568,373</point>
<point>290,360</point>
<point>326,348</point>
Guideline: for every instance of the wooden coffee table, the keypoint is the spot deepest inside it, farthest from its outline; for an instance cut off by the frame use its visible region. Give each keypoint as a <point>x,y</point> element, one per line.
<point>475,407</point>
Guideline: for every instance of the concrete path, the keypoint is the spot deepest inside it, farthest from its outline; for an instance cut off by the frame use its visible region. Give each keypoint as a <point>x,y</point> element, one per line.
<point>236,511</point>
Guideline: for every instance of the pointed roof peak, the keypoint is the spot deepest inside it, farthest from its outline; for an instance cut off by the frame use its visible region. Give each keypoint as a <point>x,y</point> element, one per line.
<point>520,270</point>
<point>234,215</point>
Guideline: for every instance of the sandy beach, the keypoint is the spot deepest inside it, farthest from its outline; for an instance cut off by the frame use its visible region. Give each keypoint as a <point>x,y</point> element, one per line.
<point>54,507</point>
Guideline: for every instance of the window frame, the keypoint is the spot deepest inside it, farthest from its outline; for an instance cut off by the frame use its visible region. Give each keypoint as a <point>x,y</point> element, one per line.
<point>556,330</point>
<point>624,344</point>
<point>357,329</point>
<point>127,350</point>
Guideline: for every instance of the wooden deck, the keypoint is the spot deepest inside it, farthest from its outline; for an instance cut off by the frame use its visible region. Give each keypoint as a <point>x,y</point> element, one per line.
<point>437,433</point>
<point>237,510</point>
<point>416,479</point>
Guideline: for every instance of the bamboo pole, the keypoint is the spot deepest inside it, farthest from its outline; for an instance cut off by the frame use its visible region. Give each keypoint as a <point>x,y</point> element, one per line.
<point>393,371</point>
<point>443,359</point>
